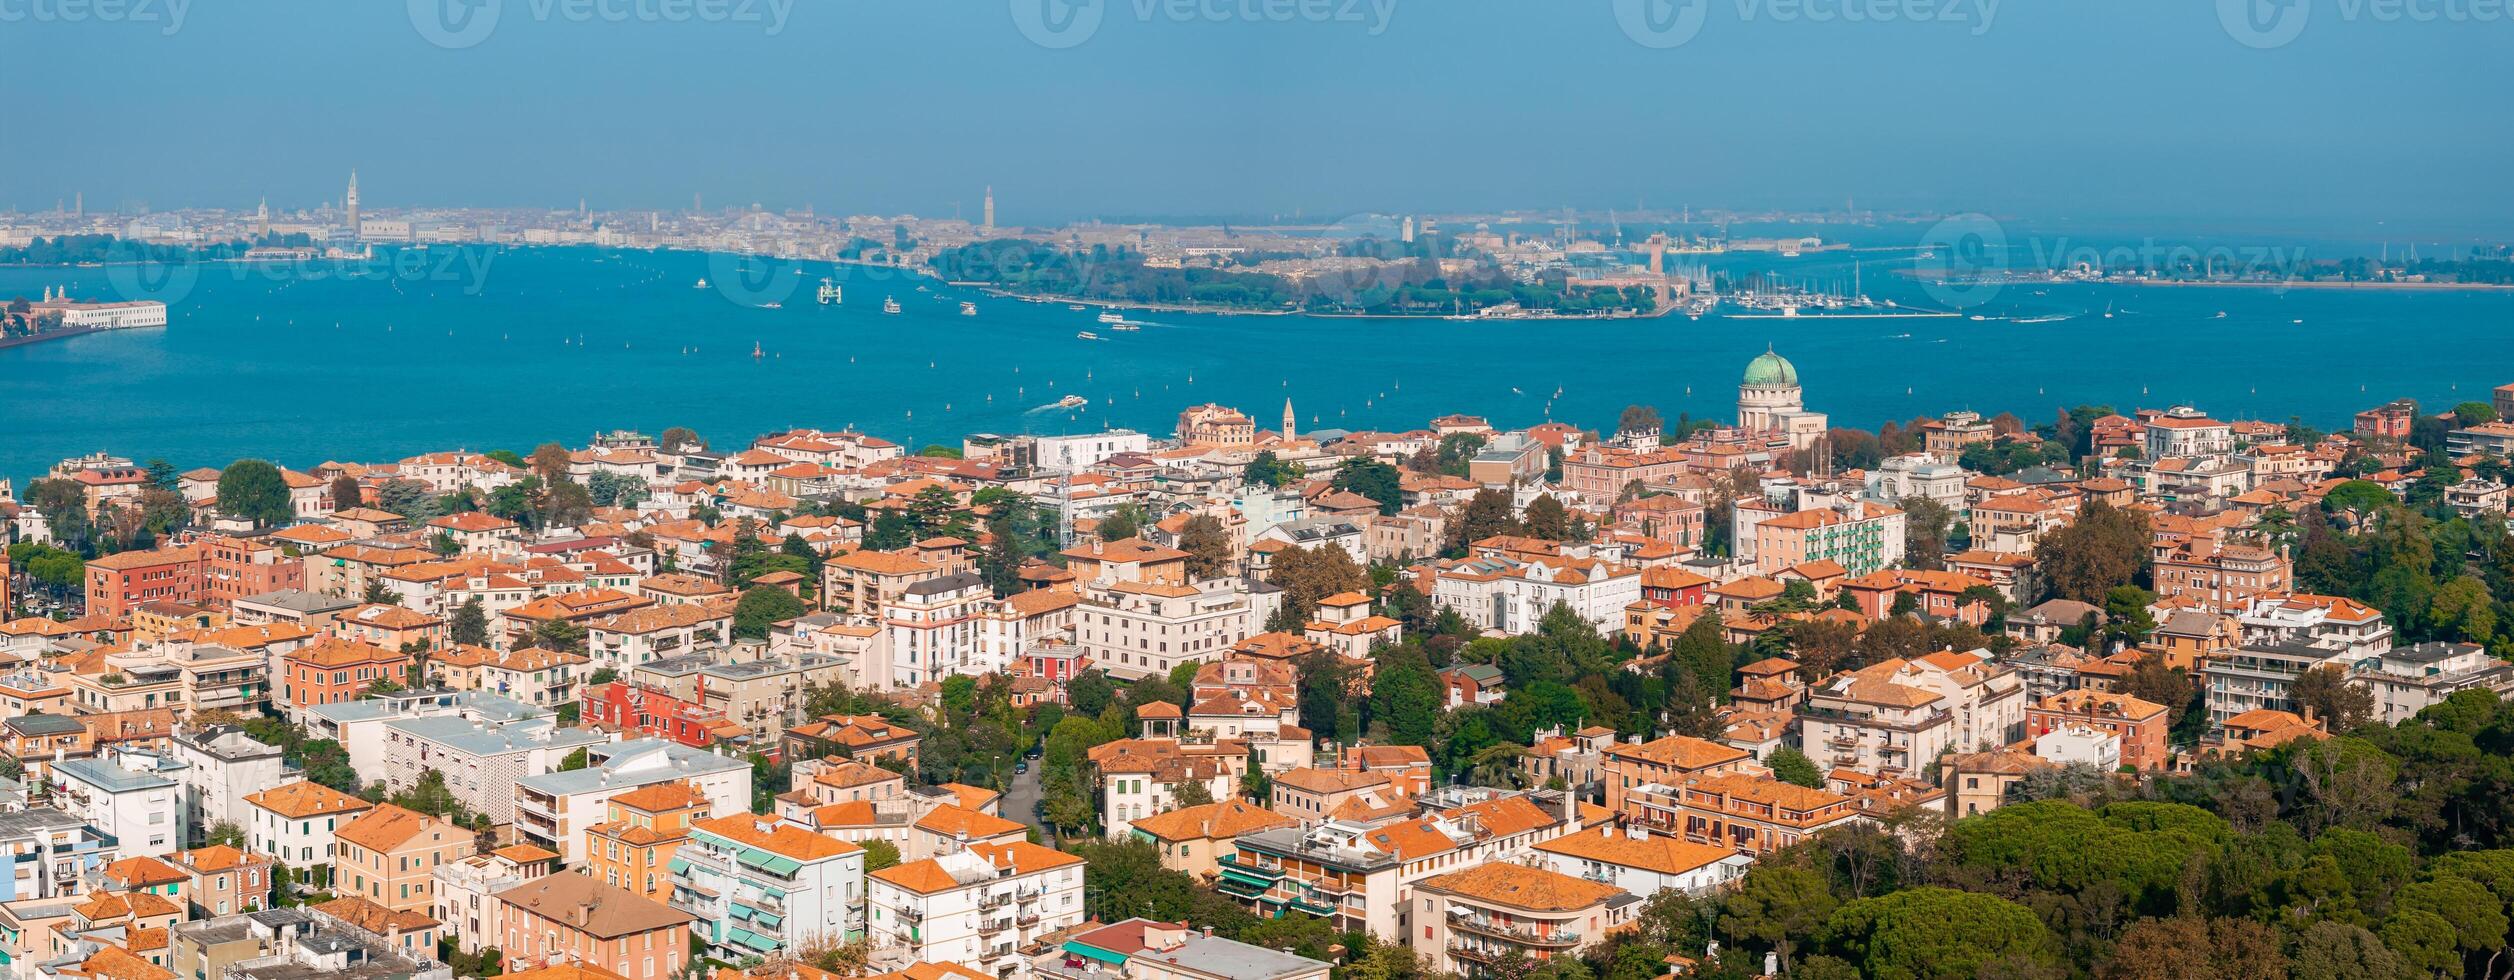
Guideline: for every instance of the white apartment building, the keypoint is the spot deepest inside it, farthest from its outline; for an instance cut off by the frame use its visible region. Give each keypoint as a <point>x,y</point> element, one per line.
<point>1641,862</point>
<point>642,636</point>
<point>1505,595</point>
<point>934,628</point>
<point>296,822</point>
<point>1895,717</point>
<point>2284,636</point>
<point>1918,475</point>
<point>554,808</point>
<point>1073,453</point>
<point>219,767</point>
<point>2185,431</point>
<point>2406,680</point>
<point>130,795</point>
<point>1135,629</point>
<point>979,907</point>
<point>758,886</point>
<point>481,760</point>
<point>465,901</point>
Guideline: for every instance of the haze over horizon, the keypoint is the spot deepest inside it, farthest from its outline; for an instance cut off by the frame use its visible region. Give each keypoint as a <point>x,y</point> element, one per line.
<point>2146,110</point>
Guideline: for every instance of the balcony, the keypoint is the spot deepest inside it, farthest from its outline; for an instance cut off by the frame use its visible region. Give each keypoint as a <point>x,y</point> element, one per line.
<point>1474,954</point>
<point>1521,935</point>
<point>989,927</point>
<point>991,902</point>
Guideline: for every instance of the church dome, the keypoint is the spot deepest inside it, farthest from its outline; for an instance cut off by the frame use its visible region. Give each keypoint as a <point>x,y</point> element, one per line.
<point>1770,370</point>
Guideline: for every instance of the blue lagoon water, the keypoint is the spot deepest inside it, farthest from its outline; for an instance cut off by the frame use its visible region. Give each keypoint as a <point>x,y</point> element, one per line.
<point>508,348</point>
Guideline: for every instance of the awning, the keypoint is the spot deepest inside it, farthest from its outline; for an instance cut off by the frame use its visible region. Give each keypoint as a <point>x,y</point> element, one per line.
<point>1091,952</point>
<point>771,863</point>
<point>771,919</point>
<point>677,866</point>
<point>755,940</point>
<point>741,911</point>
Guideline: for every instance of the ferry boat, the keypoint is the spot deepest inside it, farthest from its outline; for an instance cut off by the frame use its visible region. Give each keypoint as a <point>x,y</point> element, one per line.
<point>1086,335</point>
<point>1072,401</point>
<point>1111,316</point>
<point>968,308</point>
<point>830,294</point>
<point>890,304</point>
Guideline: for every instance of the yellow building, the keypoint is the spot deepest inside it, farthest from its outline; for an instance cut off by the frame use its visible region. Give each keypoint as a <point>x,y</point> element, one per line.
<point>638,837</point>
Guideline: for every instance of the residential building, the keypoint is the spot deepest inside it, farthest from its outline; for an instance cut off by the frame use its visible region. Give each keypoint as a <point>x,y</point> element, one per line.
<point>389,856</point>
<point>1755,815</point>
<point>1135,628</point>
<point>1143,949</point>
<point>220,880</point>
<point>466,905</point>
<point>2282,637</point>
<point>130,795</point>
<point>2407,680</point>
<point>553,809</point>
<point>568,918</point>
<point>219,768</point>
<point>2140,725</point>
<point>335,671</point>
<point>979,907</point>
<point>1637,861</point>
<point>299,823</point>
<point>1478,917</point>
<point>478,760</point>
<point>756,886</point>
<point>633,848</point>
<point>1193,839</point>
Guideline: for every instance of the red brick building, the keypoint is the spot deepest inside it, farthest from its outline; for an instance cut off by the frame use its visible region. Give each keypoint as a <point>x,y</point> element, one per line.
<point>336,670</point>
<point>640,711</point>
<point>2140,724</point>
<point>118,583</point>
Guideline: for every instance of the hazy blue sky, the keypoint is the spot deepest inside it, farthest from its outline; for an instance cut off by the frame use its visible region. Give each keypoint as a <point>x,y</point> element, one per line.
<point>2060,109</point>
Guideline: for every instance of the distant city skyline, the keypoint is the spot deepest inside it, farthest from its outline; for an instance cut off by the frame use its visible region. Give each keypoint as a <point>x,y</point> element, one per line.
<point>2136,112</point>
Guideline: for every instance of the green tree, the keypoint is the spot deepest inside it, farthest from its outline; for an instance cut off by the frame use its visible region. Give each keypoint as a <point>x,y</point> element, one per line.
<point>1271,470</point>
<point>470,623</point>
<point>253,490</point>
<point>2464,611</point>
<point>761,607</point>
<point>1935,932</point>
<point>1405,694</point>
<point>2105,547</point>
<point>1792,766</point>
<point>1486,514</point>
<point>1208,546</point>
<point>346,494</point>
<point>1926,525</point>
<point>880,853</point>
<point>1639,419</point>
<point>1192,793</point>
<point>1374,479</point>
<point>1547,518</point>
<point>1779,906</point>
